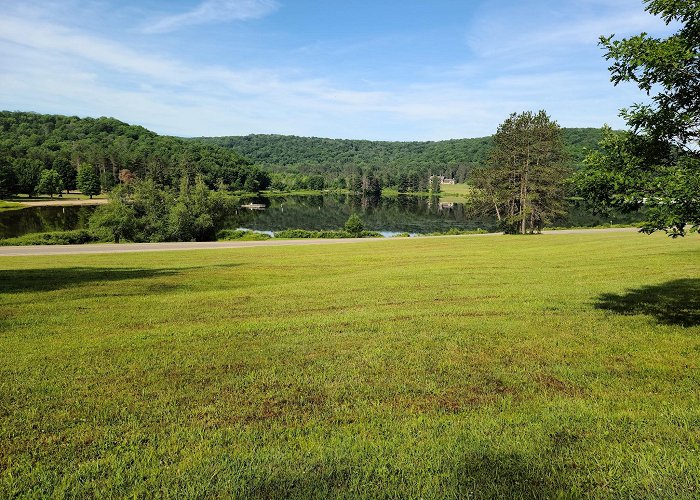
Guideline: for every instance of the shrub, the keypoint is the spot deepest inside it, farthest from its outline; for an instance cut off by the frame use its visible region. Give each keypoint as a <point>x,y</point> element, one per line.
<point>371,234</point>
<point>303,233</point>
<point>354,225</point>
<point>457,232</point>
<point>298,233</point>
<point>76,237</point>
<point>240,234</point>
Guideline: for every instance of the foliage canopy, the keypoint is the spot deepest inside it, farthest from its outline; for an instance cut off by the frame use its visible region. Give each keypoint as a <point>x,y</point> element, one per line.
<point>31,142</point>
<point>657,162</point>
<point>50,183</point>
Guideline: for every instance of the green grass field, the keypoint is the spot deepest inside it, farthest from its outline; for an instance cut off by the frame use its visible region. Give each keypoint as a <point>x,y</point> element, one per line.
<point>461,190</point>
<point>522,367</point>
<point>64,196</point>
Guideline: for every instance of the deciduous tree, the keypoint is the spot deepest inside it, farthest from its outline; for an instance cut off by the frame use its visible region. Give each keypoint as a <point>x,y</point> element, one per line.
<point>68,174</point>
<point>8,179</point>
<point>50,183</point>
<point>117,219</point>
<point>657,162</point>
<point>87,182</point>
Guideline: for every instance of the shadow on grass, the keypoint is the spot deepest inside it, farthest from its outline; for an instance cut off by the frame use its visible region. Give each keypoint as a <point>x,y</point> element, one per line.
<point>492,474</point>
<point>486,474</point>
<point>44,280</point>
<point>672,303</point>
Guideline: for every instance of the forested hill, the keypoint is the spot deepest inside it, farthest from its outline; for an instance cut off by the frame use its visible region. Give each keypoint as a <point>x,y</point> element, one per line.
<point>31,142</point>
<point>292,152</point>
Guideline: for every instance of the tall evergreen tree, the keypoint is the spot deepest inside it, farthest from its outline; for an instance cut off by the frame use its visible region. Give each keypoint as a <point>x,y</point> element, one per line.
<point>524,182</point>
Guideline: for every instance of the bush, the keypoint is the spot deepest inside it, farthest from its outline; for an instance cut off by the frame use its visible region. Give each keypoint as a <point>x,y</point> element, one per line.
<point>241,234</point>
<point>371,234</point>
<point>458,232</point>
<point>354,225</point>
<point>76,237</point>
<point>116,220</point>
<point>303,233</point>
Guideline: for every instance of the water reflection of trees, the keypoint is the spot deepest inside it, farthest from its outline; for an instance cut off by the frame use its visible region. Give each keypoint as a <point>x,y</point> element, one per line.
<point>42,219</point>
<point>415,214</point>
<point>401,213</point>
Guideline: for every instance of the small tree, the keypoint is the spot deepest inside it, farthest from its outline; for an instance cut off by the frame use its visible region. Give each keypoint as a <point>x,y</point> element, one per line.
<point>8,179</point>
<point>197,213</point>
<point>434,184</point>
<point>68,174</point>
<point>116,220</point>
<point>354,225</point>
<point>88,182</point>
<point>50,183</point>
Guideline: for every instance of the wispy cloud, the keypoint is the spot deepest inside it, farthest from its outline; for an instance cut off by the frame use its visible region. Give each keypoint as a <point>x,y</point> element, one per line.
<point>211,11</point>
<point>53,64</point>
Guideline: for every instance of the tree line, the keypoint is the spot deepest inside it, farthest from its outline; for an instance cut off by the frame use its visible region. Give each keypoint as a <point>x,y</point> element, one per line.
<point>31,143</point>
<point>406,166</point>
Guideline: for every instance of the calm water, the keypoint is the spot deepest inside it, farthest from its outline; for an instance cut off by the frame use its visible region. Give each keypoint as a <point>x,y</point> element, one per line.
<point>389,215</point>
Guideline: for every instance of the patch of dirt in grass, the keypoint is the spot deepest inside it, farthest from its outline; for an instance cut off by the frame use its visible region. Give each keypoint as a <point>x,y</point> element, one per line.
<point>551,384</point>
<point>456,399</point>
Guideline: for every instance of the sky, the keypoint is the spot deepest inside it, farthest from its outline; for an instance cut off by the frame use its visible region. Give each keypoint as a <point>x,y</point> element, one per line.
<point>383,70</point>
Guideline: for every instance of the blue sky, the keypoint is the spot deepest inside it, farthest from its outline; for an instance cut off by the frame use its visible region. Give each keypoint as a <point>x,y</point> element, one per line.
<point>408,70</point>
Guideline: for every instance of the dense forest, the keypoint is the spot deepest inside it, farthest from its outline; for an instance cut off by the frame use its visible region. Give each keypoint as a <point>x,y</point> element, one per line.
<point>31,143</point>
<point>335,158</point>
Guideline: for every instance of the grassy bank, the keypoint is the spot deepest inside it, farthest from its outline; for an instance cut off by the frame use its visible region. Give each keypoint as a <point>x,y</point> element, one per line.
<point>10,205</point>
<point>64,196</point>
<point>459,190</point>
<point>484,367</point>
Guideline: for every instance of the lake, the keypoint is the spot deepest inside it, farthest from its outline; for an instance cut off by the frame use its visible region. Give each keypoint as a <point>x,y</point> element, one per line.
<point>389,215</point>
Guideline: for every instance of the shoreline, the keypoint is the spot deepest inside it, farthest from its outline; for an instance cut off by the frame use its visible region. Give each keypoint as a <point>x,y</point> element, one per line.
<point>108,248</point>
<point>63,202</point>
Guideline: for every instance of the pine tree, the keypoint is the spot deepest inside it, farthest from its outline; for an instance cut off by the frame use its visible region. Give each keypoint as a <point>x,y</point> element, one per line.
<point>524,182</point>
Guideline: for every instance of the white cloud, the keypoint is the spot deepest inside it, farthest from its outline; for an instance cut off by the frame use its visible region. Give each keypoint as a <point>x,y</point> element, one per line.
<point>47,67</point>
<point>211,11</point>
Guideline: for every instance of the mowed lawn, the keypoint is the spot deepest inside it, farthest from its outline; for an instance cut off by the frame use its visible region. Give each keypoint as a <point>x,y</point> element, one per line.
<point>457,189</point>
<point>554,365</point>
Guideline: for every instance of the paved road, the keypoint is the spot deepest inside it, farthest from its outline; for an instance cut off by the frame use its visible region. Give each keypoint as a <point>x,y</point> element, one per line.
<point>161,247</point>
